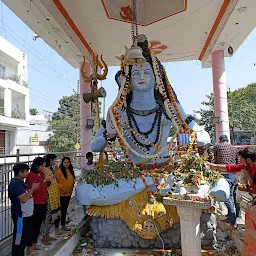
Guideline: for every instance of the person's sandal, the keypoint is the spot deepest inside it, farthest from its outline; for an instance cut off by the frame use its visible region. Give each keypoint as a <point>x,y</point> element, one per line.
<point>233,227</point>
<point>64,228</point>
<point>37,247</point>
<point>58,232</point>
<point>46,242</point>
<point>33,253</point>
<point>52,238</point>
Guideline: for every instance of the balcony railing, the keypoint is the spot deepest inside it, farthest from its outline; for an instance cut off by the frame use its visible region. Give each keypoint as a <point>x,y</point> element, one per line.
<point>16,113</point>
<point>5,151</point>
<point>2,111</point>
<point>17,79</point>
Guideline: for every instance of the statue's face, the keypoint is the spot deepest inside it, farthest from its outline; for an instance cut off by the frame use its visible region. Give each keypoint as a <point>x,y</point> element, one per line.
<point>142,77</point>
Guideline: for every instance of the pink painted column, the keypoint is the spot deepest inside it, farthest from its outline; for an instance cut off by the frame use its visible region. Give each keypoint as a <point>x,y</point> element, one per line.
<point>85,113</point>
<point>220,94</point>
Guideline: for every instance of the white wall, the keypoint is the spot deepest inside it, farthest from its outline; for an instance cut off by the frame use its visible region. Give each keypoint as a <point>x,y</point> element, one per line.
<point>20,68</point>
<point>7,102</point>
<point>15,63</point>
<point>38,125</point>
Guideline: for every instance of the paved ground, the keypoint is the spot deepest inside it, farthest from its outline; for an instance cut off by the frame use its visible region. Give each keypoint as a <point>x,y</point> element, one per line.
<point>75,215</point>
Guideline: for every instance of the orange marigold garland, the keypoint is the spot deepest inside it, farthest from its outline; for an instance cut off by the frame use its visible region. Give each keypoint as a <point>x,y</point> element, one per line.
<point>179,120</point>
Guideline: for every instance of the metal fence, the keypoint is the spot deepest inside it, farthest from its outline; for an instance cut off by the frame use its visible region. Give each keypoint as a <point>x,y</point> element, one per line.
<point>6,174</point>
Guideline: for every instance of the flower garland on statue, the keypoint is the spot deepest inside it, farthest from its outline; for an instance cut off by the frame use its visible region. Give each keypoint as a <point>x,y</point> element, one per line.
<point>117,119</point>
<point>177,117</point>
<point>114,115</point>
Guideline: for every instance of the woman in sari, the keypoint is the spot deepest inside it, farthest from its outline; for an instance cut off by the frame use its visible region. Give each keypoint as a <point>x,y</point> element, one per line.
<point>53,200</point>
<point>248,166</point>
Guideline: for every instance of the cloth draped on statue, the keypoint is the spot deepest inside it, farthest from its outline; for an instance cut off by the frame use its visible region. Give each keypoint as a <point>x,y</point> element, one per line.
<point>53,195</point>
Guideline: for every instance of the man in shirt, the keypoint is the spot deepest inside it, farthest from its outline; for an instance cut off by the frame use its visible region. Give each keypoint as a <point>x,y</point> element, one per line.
<point>248,166</point>
<point>87,167</point>
<point>22,206</point>
<point>225,153</point>
<point>210,155</point>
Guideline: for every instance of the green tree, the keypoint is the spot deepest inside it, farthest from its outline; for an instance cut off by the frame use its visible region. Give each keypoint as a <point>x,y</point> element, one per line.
<point>65,124</point>
<point>33,111</point>
<point>241,109</point>
<point>206,115</point>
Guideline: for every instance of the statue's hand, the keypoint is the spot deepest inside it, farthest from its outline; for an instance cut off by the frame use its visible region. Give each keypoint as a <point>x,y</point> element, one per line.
<point>202,137</point>
<point>110,127</point>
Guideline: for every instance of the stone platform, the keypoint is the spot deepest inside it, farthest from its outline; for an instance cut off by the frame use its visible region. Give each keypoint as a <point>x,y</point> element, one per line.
<point>114,233</point>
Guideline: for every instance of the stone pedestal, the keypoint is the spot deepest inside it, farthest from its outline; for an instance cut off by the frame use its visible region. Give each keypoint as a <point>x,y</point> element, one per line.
<point>190,230</point>
<point>189,213</point>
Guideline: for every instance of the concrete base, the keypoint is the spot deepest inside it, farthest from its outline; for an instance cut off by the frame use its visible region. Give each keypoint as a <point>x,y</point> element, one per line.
<point>190,230</point>
<point>114,233</point>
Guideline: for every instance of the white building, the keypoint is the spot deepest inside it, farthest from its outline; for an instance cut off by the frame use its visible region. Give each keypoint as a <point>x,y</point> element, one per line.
<point>32,139</point>
<point>14,95</point>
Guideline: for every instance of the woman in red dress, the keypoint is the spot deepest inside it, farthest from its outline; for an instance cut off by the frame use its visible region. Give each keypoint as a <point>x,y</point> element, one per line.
<point>36,175</point>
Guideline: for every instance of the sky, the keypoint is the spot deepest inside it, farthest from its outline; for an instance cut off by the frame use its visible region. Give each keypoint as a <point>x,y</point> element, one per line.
<point>50,77</point>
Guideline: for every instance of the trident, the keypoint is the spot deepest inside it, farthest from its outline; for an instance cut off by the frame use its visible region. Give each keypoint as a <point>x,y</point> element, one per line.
<point>95,94</point>
<point>93,80</point>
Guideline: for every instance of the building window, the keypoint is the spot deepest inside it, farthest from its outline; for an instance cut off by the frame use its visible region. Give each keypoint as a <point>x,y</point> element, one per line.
<point>2,71</point>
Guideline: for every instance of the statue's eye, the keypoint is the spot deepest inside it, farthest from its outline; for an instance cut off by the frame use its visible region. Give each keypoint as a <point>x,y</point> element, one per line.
<point>135,73</point>
<point>160,214</point>
<point>139,214</point>
<point>131,203</point>
<point>146,73</point>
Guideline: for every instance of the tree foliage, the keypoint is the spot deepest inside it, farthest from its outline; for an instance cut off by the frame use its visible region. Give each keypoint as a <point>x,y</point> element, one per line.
<point>241,110</point>
<point>65,124</point>
<point>33,111</point>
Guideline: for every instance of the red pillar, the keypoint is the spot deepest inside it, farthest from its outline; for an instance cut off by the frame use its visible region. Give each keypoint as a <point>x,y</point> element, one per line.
<point>220,94</point>
<point>85,113</point>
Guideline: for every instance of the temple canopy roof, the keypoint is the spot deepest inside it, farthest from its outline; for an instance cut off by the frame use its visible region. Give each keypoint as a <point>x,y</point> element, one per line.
<point>177,30</point>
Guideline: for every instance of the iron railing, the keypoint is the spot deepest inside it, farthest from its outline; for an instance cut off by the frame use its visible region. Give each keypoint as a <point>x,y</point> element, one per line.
<point>2,111</point>
<point>6,174</point>
<point>15,113</point>
<point>5,150</point>
<point>17,79</point>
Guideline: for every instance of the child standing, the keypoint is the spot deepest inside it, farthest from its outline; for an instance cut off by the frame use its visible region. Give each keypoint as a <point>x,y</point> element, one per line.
<point>22,209</point>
